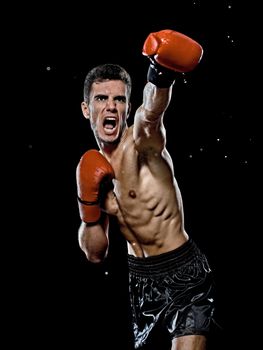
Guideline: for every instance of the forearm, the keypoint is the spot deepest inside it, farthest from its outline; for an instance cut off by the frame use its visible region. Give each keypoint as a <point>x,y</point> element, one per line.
<point>148,129</point>
<point>156,100</point>
<point>93,240</point>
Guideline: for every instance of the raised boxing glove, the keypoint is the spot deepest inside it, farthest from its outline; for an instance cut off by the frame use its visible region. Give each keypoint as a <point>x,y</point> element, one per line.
<point>94,173</point>
<point>170,52</point>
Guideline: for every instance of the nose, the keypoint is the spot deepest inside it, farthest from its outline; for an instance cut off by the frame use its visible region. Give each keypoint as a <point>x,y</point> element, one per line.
<point>111,104</point>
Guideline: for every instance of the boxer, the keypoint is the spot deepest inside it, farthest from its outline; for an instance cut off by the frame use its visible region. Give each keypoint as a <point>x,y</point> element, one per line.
<point>131,176</point>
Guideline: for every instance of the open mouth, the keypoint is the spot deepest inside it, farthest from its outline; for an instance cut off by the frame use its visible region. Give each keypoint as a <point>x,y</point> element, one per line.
<point>109,123</point>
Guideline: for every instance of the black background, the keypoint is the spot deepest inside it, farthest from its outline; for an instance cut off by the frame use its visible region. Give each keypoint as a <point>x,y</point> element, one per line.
<point>57,297</point>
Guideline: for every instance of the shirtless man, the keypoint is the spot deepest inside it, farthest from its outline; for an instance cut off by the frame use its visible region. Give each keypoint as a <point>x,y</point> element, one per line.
<point>131,176</point>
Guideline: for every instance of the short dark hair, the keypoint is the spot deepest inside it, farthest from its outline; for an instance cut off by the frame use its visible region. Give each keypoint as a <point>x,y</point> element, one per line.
<point>103,72</point>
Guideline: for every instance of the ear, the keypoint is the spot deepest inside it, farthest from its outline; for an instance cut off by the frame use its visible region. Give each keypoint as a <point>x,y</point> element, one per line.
<point>85,109</point>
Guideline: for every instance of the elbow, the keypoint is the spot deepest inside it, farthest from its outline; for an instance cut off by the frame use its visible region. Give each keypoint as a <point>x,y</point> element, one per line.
<point>95,258</point>
<point>94,243</point>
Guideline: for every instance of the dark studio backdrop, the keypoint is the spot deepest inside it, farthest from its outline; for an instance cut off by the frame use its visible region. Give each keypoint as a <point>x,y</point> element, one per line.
<point>211,135</point>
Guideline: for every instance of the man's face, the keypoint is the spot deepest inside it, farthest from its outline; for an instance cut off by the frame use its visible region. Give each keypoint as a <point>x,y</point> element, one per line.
<point>107,110</point>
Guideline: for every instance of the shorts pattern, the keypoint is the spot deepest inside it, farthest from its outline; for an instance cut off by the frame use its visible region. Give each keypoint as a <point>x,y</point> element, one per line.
<point>171,294</point>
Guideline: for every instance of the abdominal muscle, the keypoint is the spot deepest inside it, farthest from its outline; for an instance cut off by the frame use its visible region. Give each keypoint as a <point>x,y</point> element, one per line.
<point>150,216</point>
<point>154,238</point>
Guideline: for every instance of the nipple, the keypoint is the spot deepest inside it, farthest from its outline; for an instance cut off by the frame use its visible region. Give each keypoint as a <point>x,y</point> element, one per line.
<point>132,194</point>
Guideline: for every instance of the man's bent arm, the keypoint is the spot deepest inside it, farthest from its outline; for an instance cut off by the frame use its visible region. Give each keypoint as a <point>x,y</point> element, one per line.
<point>93,240</point>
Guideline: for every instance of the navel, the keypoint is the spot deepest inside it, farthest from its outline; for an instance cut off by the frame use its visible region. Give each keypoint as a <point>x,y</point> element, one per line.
<point>132,194</point>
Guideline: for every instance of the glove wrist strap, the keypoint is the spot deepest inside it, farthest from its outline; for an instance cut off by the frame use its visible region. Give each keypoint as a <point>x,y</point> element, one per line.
<point>160,76</point>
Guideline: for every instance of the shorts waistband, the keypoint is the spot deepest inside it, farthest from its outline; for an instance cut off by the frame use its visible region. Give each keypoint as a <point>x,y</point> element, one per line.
<point>164,262</point>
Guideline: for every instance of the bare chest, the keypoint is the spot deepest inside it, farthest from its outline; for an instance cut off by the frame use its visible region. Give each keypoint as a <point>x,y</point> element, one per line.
<point>137,192</point>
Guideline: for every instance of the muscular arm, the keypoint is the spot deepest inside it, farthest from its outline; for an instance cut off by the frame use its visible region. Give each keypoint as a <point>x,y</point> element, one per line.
<point>149,131</point>
<point>93,240</point>
<point>93,174</point>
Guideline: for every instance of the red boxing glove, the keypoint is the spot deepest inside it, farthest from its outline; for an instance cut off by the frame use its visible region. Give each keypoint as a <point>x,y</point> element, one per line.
<point>173,50</point>
<point>93,170</point>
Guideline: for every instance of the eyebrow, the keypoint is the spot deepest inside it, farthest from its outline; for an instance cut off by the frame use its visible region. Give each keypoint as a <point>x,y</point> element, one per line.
<point>123,97</point>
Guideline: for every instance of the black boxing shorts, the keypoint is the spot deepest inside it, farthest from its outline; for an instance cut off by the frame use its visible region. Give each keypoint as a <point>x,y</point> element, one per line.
<point>172,295</point>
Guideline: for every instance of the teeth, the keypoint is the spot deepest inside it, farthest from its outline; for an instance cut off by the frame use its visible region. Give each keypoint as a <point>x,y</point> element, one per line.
<point>109,123</point>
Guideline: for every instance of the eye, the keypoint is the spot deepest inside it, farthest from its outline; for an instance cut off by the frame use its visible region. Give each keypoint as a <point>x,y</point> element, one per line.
<point>100,98</point>
<point>121,99</point>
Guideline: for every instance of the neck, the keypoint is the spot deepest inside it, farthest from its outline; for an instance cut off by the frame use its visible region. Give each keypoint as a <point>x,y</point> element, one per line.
<point>108,148</point>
